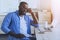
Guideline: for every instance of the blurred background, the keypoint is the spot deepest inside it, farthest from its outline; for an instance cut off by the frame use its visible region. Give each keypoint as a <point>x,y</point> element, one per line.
<point>44,9</point>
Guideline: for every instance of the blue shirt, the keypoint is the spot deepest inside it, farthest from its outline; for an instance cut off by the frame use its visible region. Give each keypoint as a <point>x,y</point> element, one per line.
<point>11,22</point>
<point>23,26</point>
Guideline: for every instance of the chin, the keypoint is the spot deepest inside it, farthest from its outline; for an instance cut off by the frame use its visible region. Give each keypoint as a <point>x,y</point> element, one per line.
<point>24,14</point>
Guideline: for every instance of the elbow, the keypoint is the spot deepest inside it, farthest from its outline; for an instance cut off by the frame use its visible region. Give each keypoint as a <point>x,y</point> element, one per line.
<point>35,22</point>
<point>4,29</point>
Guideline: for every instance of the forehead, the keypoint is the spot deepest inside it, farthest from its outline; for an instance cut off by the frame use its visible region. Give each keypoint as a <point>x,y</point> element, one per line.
<point>24,5</point>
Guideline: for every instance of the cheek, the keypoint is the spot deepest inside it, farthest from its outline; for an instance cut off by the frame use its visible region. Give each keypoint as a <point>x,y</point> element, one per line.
<point>26,10</point>
<point>22,9</point>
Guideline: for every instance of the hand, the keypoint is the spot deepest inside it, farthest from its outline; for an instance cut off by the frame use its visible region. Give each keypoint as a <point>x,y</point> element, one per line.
<point>19,35</point>
<point>29,10</point>
<point>16,35</point>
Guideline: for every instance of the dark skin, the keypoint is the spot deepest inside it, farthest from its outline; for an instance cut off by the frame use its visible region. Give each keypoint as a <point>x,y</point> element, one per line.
<point>23,9</point>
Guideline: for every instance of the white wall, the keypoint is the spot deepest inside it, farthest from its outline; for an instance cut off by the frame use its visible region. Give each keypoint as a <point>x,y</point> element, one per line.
<point>44,4</point>
<point>8,5</point>
<point>32,3</point>
<point>56,11</point>
<point>13,5</point>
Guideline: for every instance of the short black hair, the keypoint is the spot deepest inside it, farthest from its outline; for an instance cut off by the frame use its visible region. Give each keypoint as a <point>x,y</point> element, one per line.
<point>21,3</point>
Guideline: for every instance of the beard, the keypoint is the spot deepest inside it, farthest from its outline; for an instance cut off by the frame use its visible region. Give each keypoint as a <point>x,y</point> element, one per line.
<point>22,13</point>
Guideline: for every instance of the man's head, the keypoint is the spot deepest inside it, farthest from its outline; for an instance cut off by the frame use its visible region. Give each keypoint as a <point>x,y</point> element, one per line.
<point>23,6</point>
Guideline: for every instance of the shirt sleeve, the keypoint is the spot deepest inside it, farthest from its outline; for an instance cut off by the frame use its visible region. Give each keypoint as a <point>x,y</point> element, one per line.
<point>6,23</point>
<point>31,22</point>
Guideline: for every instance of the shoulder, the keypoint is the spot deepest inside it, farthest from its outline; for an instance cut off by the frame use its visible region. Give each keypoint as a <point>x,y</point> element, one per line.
<point>11,13</point>
<point>27,16</point>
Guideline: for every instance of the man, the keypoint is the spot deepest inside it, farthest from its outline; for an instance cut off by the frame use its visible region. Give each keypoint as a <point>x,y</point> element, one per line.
<point>17,24</point>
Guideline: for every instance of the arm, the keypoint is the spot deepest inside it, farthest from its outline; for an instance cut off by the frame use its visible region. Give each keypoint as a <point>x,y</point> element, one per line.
<point>6,23</point>
<point>5,27</point>
<point>33,24</point>
<point>35,21</point>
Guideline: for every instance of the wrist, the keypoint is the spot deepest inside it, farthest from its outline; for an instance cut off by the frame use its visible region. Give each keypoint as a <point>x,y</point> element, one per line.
<point>11,33</point>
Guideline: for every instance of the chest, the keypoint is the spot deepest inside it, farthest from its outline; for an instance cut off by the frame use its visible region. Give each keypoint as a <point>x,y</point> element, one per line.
<point>17,19</point>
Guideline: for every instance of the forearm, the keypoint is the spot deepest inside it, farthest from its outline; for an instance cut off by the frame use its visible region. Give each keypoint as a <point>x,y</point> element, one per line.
<point>35,21</point>
<point>34,18</point>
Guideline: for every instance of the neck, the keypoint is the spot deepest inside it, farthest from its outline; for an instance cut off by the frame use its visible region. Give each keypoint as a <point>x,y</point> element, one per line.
<point>21,15</point>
